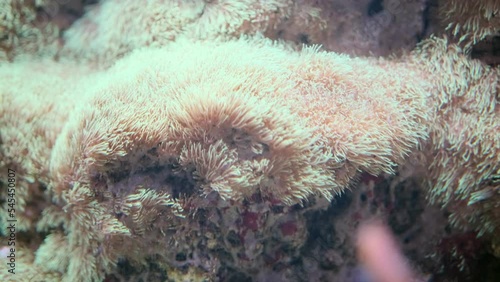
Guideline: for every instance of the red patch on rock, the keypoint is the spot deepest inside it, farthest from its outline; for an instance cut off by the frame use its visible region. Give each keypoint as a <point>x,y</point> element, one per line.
<point>288,228</point>
<point>251,220</point>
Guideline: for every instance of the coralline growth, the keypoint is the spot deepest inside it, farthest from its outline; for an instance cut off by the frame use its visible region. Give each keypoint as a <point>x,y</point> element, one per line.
<point>202,137</point>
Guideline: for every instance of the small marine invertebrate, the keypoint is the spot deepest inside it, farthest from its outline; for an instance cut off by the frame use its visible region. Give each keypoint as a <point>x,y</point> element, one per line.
<point>30,125</point>
<point>26,29</point>
<point>123,171</point>
<point>471,20</point>
<point>112,29</point>
<point>368,27</point>
<point>25,269</point>
<point>463,152</point>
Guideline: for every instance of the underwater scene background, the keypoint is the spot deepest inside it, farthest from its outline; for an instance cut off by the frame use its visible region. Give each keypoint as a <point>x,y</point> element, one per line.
<point>250,140</point>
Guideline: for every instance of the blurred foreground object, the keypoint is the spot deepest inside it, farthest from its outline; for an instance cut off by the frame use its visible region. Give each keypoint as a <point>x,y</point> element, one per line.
<point>380,254</point>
